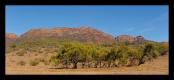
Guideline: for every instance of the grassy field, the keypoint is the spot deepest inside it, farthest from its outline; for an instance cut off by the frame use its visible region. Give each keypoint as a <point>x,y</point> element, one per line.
<point>156,67</point>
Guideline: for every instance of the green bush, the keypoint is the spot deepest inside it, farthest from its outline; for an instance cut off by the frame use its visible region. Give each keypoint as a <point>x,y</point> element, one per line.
<point>54,60</point>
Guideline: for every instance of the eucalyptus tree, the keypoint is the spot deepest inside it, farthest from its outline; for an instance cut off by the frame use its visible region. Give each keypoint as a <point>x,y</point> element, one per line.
<point>163,48</point>
<point>60,57</point>
<point>133,56</point>
<point>112,55</point>
<point>102,53</point>
<point>86,55</point>
<point>123,54</point>
<point>149,53</point>
<point>75,53</point>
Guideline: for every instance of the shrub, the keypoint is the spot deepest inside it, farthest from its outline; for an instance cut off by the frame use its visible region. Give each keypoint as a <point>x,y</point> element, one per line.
<point>21,63</point>
<point>34,62</point>
<point>21,53</point>
<point>46,62</point>
<point>163,49</point>
<point>150,51</point>
<point>54,60</point>
<point>41,59</point>
<point>13,45</point>
<point>40,51</point>
<point>8,50</point>
<point>33,49</point>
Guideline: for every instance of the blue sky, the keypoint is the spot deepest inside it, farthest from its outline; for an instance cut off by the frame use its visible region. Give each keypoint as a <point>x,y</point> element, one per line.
<point>148,21</point>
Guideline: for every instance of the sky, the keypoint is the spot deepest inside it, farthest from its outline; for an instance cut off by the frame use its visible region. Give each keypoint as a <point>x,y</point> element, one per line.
<point>148,21</point>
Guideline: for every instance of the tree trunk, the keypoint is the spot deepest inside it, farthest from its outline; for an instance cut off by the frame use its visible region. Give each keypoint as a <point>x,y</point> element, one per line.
<point>89,65</point>
<point>109,63</point>
<point>114,64</point>
<point>96,64</point>
<point>100,64</point>
<point>142,61</point>
<point>104,65</point>
<point>83,64</point>
<point>66,64</point>
<point>74,65</point>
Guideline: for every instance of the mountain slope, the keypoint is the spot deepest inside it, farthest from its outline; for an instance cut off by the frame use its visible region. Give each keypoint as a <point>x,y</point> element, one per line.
<point>83,34</point>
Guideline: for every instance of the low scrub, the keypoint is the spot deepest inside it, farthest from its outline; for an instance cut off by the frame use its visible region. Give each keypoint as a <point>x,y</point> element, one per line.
<point>34,62</point>
<point>21,53</point>
<point>21,63</point>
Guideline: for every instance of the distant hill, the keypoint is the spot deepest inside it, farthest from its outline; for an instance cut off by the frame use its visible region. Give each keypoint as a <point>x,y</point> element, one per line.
<point>11,36</point>
<point>82,34</point>
<point>130,39</point>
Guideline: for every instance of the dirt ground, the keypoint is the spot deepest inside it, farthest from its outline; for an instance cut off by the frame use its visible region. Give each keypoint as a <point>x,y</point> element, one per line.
<point>158,66</point>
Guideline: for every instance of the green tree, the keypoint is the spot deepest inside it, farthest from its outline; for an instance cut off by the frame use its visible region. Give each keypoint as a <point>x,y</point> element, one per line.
<point>133,56</point>
<point>102,53</point>
<point>163,49</point>
<point>149,53</point>
<point>60,57</point>
<point>74,55</point>
<point>86,55</point>
<point>123,54</point>
<point>113,55</point>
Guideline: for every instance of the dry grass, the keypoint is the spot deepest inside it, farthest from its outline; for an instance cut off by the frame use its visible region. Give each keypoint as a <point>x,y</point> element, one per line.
<point>156,67</point>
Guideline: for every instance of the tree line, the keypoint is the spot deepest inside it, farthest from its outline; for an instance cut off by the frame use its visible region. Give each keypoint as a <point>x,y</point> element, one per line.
<point>99,56</point>
<point>70,53</point>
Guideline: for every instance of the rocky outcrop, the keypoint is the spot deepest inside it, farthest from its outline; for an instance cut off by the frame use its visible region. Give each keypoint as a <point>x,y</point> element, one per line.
<point>125,38</point>
<point>139,39</point>
<point>129,39</point>
<point>10,36</point>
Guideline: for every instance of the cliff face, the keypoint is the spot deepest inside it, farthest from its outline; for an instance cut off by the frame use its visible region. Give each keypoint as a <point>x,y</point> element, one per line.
<point>139,39</point>
<point>130,39</point>
<point>83,34</point>
<point>125,38</point>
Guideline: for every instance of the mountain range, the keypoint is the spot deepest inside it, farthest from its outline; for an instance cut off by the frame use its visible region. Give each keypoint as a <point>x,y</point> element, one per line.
<point>82,34</point>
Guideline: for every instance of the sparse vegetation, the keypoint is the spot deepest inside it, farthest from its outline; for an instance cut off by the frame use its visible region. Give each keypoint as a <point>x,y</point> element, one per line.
<point>21,63</point>
<point>91,55</point>
<point>34,62</point>
<point>21,53</point>
<point>46,62</point>
<point>41,59</point>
